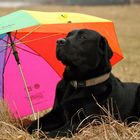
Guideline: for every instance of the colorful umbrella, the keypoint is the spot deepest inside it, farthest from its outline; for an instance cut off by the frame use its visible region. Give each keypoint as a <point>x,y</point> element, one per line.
<point>31,36</point>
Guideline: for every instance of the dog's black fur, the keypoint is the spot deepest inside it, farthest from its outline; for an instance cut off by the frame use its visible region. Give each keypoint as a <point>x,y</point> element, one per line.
<point>87,55</point>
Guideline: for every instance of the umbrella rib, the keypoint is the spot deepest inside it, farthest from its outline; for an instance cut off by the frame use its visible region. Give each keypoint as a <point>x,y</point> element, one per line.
<point>6,41</point>
<point>18,42</point>
<point>8,57</point>
<point>27,42</point>
<point>28,34</point>
<point>7,45</point>
<point>38,39</point>
<point>3,40</point>
<point>27,51</point>
<point>6,60</point>
<point>3,50</point>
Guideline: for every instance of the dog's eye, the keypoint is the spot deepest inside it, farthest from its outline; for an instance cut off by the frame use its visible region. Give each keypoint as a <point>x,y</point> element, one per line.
<point>82,37</point>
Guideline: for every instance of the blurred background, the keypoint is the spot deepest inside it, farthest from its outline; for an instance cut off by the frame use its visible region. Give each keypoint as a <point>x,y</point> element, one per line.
<point>124,13</point>
<point>15,3</point>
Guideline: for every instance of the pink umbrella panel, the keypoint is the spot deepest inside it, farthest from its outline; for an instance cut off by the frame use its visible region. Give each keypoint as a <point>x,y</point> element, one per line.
<point>40,77</point>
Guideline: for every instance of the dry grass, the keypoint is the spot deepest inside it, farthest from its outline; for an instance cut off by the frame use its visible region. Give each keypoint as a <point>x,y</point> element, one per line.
<point>10,129</point>
<point>127,22</point>
<point>106,129</point>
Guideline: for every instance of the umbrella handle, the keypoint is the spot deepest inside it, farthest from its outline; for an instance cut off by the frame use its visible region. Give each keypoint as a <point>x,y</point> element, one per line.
<point>27,91</point>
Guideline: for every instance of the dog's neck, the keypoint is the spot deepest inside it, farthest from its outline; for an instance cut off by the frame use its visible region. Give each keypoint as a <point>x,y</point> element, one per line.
<point>81,74</point>
<point>90,82</point>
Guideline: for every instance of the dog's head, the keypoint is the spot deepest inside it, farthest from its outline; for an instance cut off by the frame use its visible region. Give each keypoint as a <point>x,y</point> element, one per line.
<point>84,49</point>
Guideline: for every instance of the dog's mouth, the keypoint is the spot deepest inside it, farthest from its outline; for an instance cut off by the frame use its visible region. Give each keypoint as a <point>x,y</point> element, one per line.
<point>61,55</point>
<point>59,52</point>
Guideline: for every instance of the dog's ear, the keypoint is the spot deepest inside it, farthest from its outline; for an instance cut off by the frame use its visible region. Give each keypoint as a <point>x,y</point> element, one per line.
<point>104,48</point>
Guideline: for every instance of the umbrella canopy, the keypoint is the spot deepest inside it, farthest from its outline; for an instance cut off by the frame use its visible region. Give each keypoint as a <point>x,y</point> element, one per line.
<point>32,35</point>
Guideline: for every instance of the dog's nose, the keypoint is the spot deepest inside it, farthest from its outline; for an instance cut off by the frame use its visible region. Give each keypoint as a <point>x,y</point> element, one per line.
<point>61,41</point>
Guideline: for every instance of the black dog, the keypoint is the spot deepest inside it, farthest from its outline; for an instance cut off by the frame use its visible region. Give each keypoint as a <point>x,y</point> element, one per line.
<point>87,79</point>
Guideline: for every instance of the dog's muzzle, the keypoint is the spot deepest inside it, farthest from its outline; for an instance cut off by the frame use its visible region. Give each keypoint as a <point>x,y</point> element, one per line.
<point>61,42</point>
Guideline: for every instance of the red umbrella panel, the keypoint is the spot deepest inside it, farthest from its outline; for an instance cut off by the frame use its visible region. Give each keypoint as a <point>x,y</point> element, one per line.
<point>43,39</point>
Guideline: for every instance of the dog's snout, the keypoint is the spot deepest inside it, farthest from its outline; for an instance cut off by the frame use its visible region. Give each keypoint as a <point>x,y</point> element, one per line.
<point>61,41</point>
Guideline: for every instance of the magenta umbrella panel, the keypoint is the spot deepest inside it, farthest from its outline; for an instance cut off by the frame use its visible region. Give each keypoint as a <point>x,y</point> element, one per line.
<point>37,73</point>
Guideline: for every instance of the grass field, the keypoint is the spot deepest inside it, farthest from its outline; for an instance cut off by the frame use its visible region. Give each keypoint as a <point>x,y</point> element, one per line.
<point>127,23</point>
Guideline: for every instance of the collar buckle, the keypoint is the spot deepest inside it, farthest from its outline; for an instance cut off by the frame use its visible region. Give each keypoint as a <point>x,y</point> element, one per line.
<point>78,84</point>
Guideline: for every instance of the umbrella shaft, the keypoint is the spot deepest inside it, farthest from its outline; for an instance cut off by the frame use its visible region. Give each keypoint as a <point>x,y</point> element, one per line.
<point>15,53</point>
<point>27,91</point>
